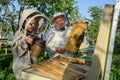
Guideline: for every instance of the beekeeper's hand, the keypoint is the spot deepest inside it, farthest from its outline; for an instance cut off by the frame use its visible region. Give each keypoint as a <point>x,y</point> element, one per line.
<point>59,50</point>
<point>29,40</point>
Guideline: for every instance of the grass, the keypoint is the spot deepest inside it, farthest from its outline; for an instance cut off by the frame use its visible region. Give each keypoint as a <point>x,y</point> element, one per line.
<point>6,72</point>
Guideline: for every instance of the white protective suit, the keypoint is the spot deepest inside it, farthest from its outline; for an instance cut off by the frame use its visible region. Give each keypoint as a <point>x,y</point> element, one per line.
<point>57,38</point>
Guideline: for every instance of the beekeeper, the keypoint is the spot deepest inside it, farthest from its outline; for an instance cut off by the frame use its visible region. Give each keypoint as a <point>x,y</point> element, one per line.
<point>56,36</point>
<point>28,24</point>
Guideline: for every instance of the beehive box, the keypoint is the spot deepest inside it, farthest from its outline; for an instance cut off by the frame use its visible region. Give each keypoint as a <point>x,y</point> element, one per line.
<point>58,68</point>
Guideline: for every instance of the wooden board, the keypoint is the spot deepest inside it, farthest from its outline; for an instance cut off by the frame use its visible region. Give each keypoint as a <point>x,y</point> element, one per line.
<point>4,41</point>
<point>63,68</point>
<point>31,74</point>
<point>101,49</point>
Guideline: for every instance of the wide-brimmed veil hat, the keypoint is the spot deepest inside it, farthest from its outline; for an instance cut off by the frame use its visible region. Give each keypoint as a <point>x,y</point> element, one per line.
<point>57,15</point>
<point>34,14</point>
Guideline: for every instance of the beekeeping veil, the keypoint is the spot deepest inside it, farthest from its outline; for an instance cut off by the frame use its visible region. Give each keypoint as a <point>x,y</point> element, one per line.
<point>43,20</point>
<point>42,23</point>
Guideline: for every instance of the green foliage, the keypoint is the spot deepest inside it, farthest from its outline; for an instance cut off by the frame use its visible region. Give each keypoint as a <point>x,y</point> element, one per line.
<point>6,72</point>
<point>49,7</point>
<point>3,2</point>
<point>95,12</point>
<point>8,15</point>
<point>44,57</point>
<point>117,40</point>
<point>115,68</point>
<point>93,28</point>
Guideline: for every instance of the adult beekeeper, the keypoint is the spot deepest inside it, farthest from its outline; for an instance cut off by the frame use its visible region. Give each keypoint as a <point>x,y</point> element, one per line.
<point>57,36</point>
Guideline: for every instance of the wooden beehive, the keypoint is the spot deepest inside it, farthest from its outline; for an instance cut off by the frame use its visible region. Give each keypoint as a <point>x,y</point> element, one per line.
<point>63,68</point>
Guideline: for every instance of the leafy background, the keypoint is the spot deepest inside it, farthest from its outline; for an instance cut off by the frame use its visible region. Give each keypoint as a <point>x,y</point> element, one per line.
<point>9,17</point>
